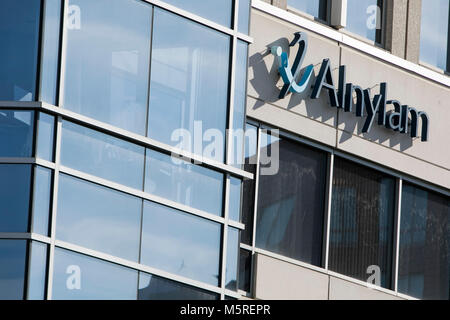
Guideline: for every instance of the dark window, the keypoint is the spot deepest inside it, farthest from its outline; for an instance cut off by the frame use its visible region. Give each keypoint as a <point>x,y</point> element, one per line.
<point>245,269</point>
<point>291,201</point>
<point>12,269</point>
<point>156,288</point>
<point>424,244</point>
<point>248,185</point>
<point>16,133</point>
<point>15,180</point>
<point>19,34</point>
<point>362,220</point>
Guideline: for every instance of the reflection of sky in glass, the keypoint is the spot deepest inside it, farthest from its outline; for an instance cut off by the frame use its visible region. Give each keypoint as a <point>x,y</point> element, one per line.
<point>358,20</point>
<point>244,15</point>
<point>98,218</point>
<point>216,10</point>
<point>184,182</point>
<point>434,32</point>
<point>107,63</point>
<point>189,81</point>
<point>232,259</point>
<point>99,279</point>
<point>309,6</point>
<point>180,243</point>
<point>102,155</point>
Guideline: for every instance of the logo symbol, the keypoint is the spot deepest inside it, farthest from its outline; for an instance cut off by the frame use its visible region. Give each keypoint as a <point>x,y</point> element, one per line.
<point>288,75</point>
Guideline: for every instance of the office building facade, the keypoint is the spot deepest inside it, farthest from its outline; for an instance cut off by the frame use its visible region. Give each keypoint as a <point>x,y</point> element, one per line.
<point>224,149</point>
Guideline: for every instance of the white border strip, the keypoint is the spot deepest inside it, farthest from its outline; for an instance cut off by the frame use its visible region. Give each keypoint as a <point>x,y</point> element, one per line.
<point>351,42</point>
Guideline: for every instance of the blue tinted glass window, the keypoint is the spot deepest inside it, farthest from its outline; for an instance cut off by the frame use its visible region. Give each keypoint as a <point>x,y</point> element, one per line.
<point>156,288</point>
<point>240,98</point>
<point>244,16</point>
<point>79,277</point>
<point>183,182</point>
<point>45,136</point>
<point>180,243</point>
<point>216,10</point>
<point>12,269</point>
<point>41,199</point>
<point>424,257</point>
<point>434,32</point>
<point>50,51</point>
<point>98,218</point>
<point>16,133</point>
<point>19,33</point>
<point>364,18</point>
<point>234,204</point>
<point>362,221</point>
<point>37,271</point>
<point>316,8</point>
<point>102,155</point>
<point>107,61</point>
<point>189,85</point>
<point>15,180</point>
<point>232,259</point>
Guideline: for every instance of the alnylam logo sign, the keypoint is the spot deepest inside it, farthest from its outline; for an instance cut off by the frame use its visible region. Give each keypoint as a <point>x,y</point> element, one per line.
<point>402,118</point>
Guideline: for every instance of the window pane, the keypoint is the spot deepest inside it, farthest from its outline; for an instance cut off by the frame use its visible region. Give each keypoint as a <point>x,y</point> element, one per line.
<point>232,259</point>
<point>156,288</point>
<point>234,203</point>
<point>41,199</point>
<point>12,269</point>
<point>79,277</point>
<point>37,271</point>
<point>316,8</point>
<point>424,259</point>
<point>98,218</point>
<point>15,182</point>
<point>50,61</point>
<point>434,32</point>
<point>244,16</point>
<point>106,77</point>
<point>364,18</point>
<point>180,243</point>
<point>45,138</point>
<point>248,192</point>
<point>189,85</point>
<point>362,219</point>
<point>19,31</point>
<point>217,10</point>
<point>291,202</point>
<point>240,98</point>
<point>16,133</point>
<point>245,267</point>
<point>183,182</point>
<point>102,155</point>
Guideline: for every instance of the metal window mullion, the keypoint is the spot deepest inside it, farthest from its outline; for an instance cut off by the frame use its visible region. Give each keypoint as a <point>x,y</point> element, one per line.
<point>329,194</point>
<point>63,52</point>
<point>50,266</point>
<point>225,239</point>
<point>397,226</point>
